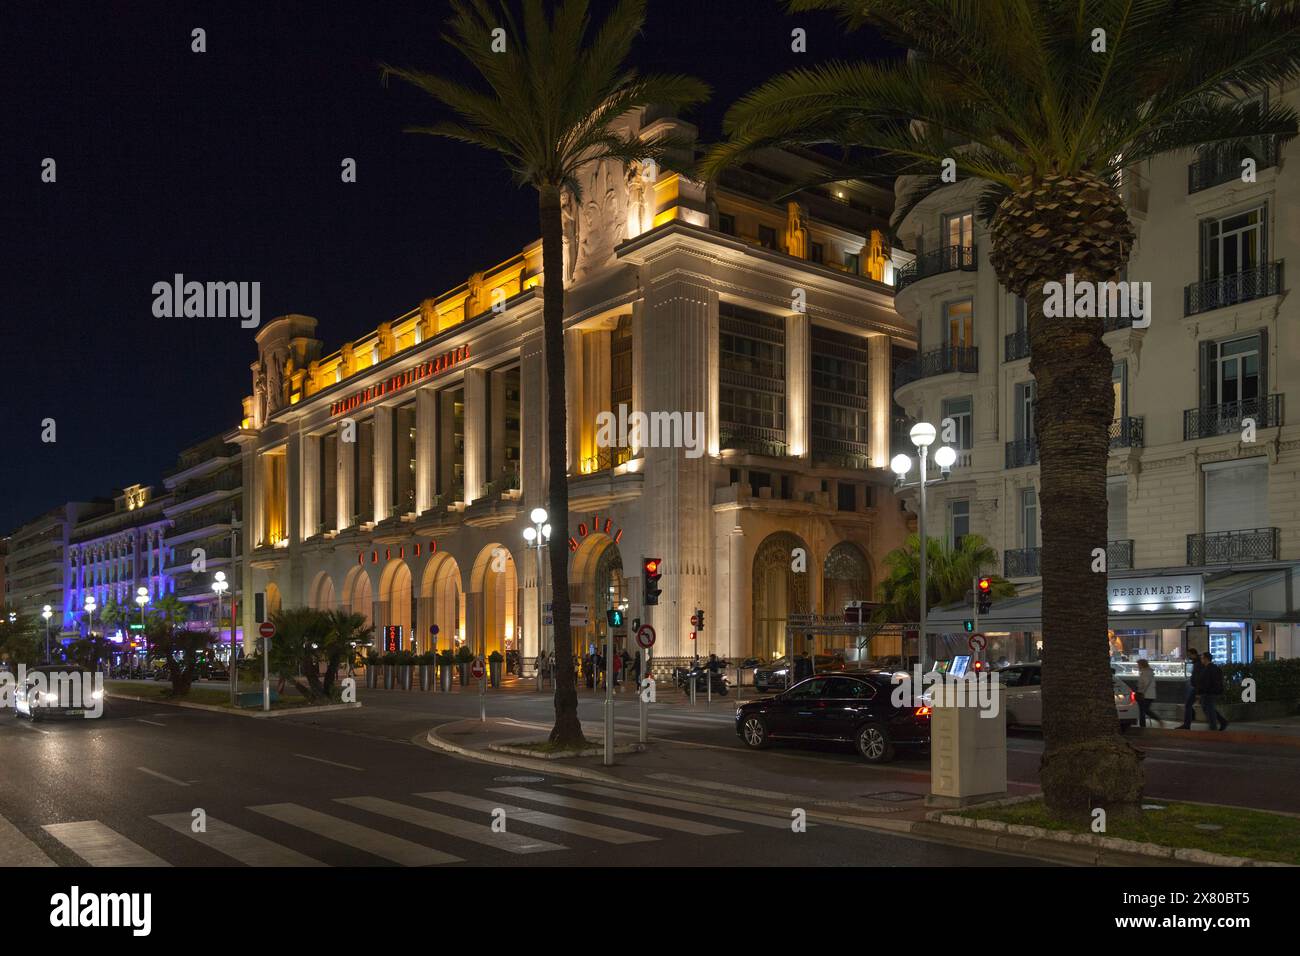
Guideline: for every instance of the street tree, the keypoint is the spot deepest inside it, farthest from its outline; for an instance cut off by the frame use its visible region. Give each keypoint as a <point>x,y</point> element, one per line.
<point>553,85</point>
<point>1051,106</point>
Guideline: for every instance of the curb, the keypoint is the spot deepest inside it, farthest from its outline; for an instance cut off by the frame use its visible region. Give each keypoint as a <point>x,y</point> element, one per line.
<point>1226,736</point>
<point>522,751</point>
<point>1087,848</point>
<point>233,712</point>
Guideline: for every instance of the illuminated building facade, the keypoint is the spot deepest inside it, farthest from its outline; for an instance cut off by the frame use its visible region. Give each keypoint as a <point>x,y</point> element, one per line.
<point>394,476</point>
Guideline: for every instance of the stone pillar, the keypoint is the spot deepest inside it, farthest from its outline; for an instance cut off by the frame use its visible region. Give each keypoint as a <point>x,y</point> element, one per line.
<point>596,382</point>
<point>573,389</point>
<point>292,584</point>
<point>426,448</point>
<point>496,443</point>
<point>345,462</point>
<point>383,459</point>
<point>309,488</point>
<point>638,363</point>
<point>532,430</point>
<point>798,385</point>
<point>881,396</point>
<point>476,433</point>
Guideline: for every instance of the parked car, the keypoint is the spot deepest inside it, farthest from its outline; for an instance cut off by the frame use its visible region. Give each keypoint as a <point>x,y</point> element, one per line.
<point>56,690</point>
<point>777,673</point>
<point>1023,697</point>
<point>854,707</point>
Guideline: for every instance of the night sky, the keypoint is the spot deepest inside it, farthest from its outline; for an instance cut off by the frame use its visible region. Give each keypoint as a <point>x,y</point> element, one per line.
<point>225,166</point>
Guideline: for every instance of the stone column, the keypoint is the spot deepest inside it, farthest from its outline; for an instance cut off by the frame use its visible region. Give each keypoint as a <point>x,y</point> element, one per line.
<point>476,433</point>
<point>383,458</point>
<point>798,385</point>
<point>574,389</point>
<point>532,431</point>
<point>309,487</point>
<point>292,587</point>
<point>496,443</point>
<point>426,448</point>
<point>638,363</point>
<point>879,388</point>
<point>596,379</point>
<point>345,463</point>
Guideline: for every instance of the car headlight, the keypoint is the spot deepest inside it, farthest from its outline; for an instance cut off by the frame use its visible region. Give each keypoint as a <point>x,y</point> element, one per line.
<point>46,697</point>
<point>97,695</point>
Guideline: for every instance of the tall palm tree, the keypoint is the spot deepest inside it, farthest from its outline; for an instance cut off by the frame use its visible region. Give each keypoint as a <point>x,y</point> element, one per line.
<point>547,106</point>
<point>949,575</point>
<point>1026,96</point>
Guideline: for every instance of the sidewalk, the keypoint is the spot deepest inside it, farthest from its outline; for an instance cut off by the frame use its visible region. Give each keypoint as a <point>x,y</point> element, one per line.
<point>1278,732</point>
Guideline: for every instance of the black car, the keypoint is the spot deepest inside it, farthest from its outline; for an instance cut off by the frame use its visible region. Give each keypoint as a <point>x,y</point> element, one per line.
<point>852,707</point>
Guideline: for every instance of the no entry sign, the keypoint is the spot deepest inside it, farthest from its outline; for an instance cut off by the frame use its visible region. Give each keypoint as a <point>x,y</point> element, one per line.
<point>646,636</point>
<point>477,667</point>
<point>266,629</point>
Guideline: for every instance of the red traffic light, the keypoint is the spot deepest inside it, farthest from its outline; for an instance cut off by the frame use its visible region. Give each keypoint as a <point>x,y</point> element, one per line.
<point>651,565</point>
<point>985,584</point>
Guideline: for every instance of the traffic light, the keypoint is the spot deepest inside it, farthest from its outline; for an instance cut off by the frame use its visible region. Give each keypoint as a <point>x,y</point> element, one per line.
<point>984,595</point>
<point>650,573</point>
<point>969,625</point>
<point>614,617</point>
<point>699,616</point>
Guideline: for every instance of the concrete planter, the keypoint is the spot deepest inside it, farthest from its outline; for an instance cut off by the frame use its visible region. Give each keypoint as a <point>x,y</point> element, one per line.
<point>404,676</point>
<point>388,676</point>
<point>444,677</point>
<point>426,677</point>
<point>494,673</point>
<point>372,676</point>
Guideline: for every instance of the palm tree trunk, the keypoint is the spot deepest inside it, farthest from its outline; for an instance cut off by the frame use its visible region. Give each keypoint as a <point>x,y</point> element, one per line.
<point>567,729</point>
<point>1085,764</point>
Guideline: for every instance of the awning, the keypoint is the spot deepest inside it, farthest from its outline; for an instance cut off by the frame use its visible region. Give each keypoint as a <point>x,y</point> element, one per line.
<point>1260,595</point>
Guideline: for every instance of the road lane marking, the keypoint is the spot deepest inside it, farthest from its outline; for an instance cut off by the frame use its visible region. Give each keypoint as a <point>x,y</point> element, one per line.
<point>19,850</point>
<point>739,816</point>
<point>332,763</point>
<point>619,813</point>
<point>100,845</point>
<point>540,818</point>
<point>391,848</point>
<point>152,722</point>
<point>162,776</point>
<point>248,848</point>
<point>462,829</point>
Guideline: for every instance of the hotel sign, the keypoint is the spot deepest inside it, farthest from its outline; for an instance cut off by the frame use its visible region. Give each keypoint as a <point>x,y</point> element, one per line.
<point>1178,592</point>
<point>401,380</point>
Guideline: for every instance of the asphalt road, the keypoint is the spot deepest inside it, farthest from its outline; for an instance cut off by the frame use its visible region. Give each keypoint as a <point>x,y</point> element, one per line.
<point>353,788</point>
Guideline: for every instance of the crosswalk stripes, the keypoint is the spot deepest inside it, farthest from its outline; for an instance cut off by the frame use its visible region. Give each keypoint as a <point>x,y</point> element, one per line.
<point>391,848</point>
<point>20,851</point>
<point>607,810</point>
<point>100,845</point>
<point>452,826</point>
<point>725,813</point>
<point>540,818</point>
<point>248,848</point>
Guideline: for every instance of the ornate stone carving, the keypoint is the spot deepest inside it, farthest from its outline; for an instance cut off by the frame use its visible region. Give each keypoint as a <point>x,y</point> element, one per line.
<point>796,230</point>
<point>640,198</point>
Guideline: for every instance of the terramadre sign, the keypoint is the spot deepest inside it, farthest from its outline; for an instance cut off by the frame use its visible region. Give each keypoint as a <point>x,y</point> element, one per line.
<point>401,380</point>
<point>1175,592</point>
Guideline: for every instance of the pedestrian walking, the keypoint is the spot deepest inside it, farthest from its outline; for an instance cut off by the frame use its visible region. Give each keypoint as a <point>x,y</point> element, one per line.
<point>636,670</point>
<point>1146,692</point>
<point>1189,697</point>
<point>1211,689</point>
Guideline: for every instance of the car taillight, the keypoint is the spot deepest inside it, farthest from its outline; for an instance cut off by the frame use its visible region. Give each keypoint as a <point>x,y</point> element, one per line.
<point>1132,697</point>
<point>922,712</point>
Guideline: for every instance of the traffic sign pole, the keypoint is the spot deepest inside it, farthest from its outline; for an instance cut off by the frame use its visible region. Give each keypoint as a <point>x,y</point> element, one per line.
<point>267,631</point>
<point>640,695</point>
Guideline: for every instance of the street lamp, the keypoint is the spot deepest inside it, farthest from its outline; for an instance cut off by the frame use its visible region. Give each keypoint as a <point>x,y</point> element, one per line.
<point>537,536</point>
<point>142,598</point>
<point>47,613</point>
<point>923,435</point>
<point>220,585</point>
<point>90,619</point>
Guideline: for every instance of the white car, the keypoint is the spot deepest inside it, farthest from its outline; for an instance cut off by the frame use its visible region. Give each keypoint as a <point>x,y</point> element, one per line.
<point>1022,697</point>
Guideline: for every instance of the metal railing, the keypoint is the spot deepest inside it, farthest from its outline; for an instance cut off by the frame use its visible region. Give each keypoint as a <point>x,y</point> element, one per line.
<point>842,453</point>
<point>1222,291</point>
<point>754,439</point>
<point>1022,452</point>
<point>1119,555</point>
<point>1022,563</point>
<point>1126,432</point>
<point>1227,547</point>
<point>1217,166</point>
<point>948,259</point>
<point>1228,417</point>
<point>941,361</point>
<point>605,459</point>
<point>1017,345</point>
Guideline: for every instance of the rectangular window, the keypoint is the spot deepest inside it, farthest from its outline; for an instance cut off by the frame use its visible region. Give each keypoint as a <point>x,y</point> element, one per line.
<point>1236,495</point>
<point>958,521</point>
<point>1234,244</point>
<point>752,377</point>
<point>329,476</point>
<point>840,401</point>
<point>847,493</point>
<point>403,484</point>
<point>959,323</point>
<point>817,252</point>
<point>727,223</point>
<point>1119,384</point>
<point>767,237</point>
<point>959,230</point>
<point>1022,315</point>
<point>1117,508</point>
<point>853,263</point>
<point>1029,517</point>
<point>1026,392</point>
<point>959,410</point>
<point>1233,372</point>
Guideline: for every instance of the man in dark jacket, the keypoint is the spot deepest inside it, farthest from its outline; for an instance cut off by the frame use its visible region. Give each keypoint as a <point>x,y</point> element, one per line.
<point>1211,689</point>
<point>1189,699</point>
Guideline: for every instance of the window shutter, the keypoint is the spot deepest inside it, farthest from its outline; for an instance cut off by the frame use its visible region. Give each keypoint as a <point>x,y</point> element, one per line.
<point>1236,496</point>
<point>1020,412</point>
<point>1207,260</point>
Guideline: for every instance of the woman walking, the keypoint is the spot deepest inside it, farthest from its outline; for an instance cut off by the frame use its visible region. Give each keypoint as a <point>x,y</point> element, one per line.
<point>1146,692</point>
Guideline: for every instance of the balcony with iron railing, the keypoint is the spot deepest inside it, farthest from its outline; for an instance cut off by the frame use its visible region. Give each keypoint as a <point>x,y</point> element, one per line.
<point>1022,452</point>
<point>941,361</point>
<point>604,459</point>
<point>1230,547</point>
<point>1022,563</point>
<point>1220,292</point>
<point>840,453</point>
<point>1017,346</point>
<point>1214,167</point>
<point>753,439</point>
<point>1126,432</point>
<point>1228,418</point>
<point>1119,555</point>
<point>937,262</point>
